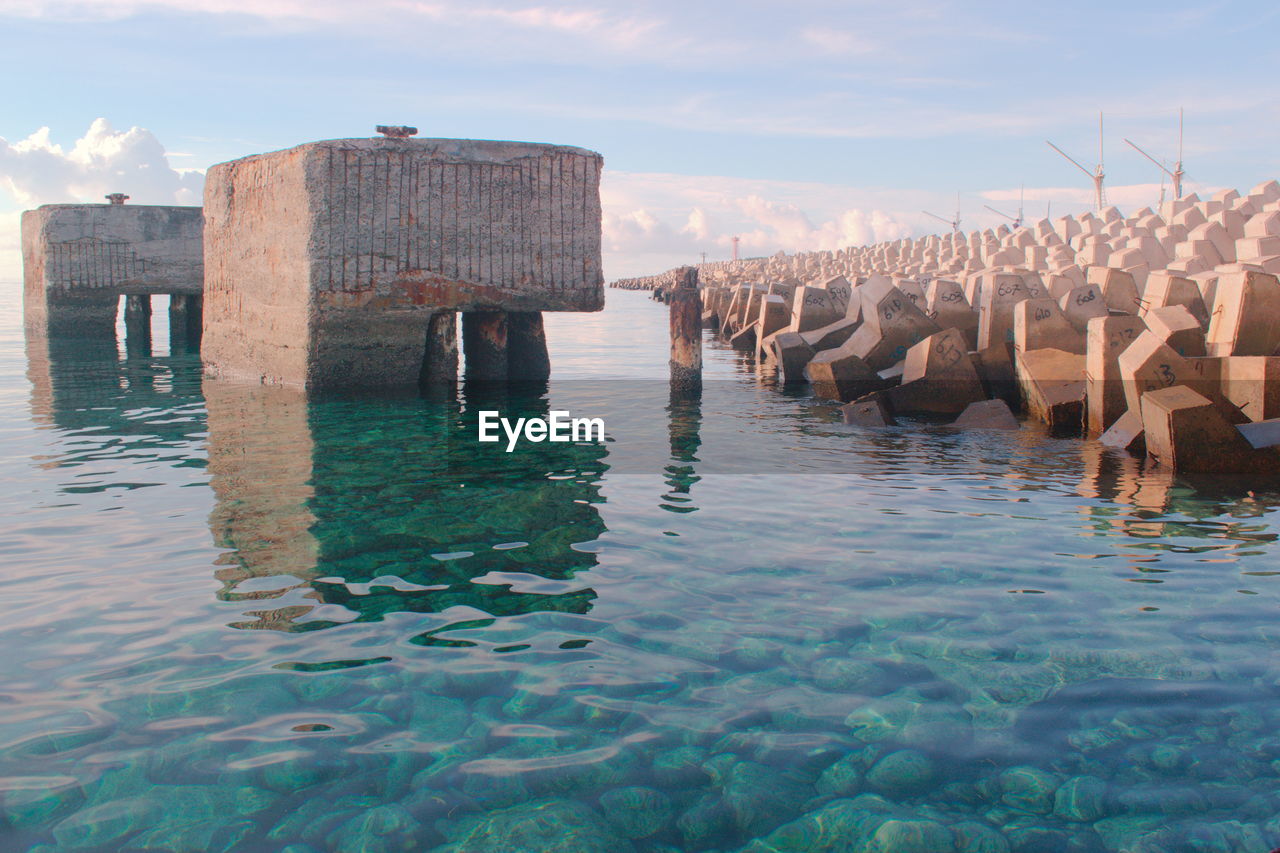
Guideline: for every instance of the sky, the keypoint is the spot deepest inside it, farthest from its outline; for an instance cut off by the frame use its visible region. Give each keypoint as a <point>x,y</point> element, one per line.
<point>810,124</point>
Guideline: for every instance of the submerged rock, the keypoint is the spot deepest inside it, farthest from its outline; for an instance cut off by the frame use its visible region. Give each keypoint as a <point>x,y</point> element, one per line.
<point>973,837</point>
<point>912,836</point>
<point>636,812</point>
<point>546,826</point>
<point>1028,789</point>
<point>760,797</point>
<point>902,773</point>
<point>1081,798</point>
<point>841,779</point>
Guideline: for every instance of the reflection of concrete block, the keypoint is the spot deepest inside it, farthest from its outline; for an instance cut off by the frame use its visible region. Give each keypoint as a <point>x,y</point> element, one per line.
<point>79,258</point>
<point>327,261</point>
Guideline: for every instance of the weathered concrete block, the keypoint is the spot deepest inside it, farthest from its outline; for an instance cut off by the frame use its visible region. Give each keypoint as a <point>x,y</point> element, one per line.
<point>997,294</point>
<point>1246,315</point>
<point>832,336</point>
<point>1165,289</point>
<point>1253,384</point>
<point>987,414</point>
<point>840,374</point>
<point>1082,304</point>
<point>1176,326</point>
<point>1106,339</point>
<point>868,411</point>
<point>1053,388</point>
<point>891,325</point>
<point>1126,433</point>
<point>946,305</point>
<point>1185,431</point>
<point>792,353</point>
<point>814,308</point>
<point>1119,290</point>
<point>1040,324</point>
<point>938,376</point>
<point>78,259</point>
<point>1149,364</point>
<point>326,262</point>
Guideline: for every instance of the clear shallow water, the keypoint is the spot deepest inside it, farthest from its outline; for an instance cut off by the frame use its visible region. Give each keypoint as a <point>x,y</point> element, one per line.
<point>236,619</point>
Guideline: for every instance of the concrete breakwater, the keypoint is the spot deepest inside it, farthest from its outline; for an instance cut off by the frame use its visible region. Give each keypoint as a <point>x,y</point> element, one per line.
<point>1158,333</point>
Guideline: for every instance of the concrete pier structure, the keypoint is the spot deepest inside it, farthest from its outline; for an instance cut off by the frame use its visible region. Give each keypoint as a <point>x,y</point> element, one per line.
<point>78,259</point>
<point>342,263</point>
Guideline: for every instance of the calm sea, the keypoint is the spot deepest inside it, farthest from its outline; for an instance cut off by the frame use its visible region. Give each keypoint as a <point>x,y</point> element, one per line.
<point>233,618</point>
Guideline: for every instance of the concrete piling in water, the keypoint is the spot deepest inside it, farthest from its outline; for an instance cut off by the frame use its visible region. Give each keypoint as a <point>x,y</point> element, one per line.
<point>686,332</point>
<point>527,358</point>
<point>440,359</point>
<point>485,344</point>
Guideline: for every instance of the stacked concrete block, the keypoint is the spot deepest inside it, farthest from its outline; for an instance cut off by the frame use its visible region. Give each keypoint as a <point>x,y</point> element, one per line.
<point>1077,320</point>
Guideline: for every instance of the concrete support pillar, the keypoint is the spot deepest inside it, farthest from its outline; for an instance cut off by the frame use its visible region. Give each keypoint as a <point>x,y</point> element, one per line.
<point>527,356</point>
<point>137,324</point>
<point>185,322</point>
<point>440,359</point>
<point>484,341</point>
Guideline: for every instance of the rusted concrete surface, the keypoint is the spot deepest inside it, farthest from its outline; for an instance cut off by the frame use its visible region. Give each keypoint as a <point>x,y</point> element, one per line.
<point>78,259</point>
<point>327,261</point>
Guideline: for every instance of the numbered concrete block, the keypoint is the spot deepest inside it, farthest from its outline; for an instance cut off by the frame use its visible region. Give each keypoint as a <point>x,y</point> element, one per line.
<point>1252,383</point>
<point>1186,432</point>
<point>1165,288</point>
<point>1082,304</point>
<point>946,306</point>
<point>325,263</point>
<point>1149,364</point>
<point>997,294</point>
<point>1052,383</point>
<point>1119,290</point>
<point>938,377</point>
<point>891,325</point>
<point>1246,315</point>
<point>840,290</point>
<point>987,414</point>
<point>1040,324</point>
<point>1176,326</point>
<point>814,308</point>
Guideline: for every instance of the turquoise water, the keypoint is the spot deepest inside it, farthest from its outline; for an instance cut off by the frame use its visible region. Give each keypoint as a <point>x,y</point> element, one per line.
<point>234,619</point>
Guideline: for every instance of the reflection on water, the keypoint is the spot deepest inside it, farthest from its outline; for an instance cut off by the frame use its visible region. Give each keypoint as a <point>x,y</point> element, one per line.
<point>378,506</point>
<point>240,619</point>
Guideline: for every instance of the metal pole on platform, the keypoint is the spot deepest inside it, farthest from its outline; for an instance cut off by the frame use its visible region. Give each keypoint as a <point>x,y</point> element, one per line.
<point>686,331</point>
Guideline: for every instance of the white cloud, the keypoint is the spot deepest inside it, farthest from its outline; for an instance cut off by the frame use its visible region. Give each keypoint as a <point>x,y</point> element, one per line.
<point>653,221</point>
<point>37,171</point>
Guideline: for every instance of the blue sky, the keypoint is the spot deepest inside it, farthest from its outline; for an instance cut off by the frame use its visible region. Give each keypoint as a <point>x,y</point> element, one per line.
<point>798,125</point>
